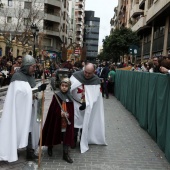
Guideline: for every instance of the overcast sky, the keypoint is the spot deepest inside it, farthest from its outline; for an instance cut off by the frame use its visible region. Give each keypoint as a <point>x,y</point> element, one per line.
<point>104,9</point>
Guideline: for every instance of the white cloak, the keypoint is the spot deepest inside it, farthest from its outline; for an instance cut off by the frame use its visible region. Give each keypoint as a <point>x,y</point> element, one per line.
<point>91,120</point>
<point>15,124</point>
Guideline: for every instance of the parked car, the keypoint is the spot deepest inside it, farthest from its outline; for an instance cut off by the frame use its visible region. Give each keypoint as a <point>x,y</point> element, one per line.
<point>58,75</point>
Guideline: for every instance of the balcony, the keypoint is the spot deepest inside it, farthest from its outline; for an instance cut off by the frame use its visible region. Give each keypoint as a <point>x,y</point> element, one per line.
<point>79,36</point>
<point>139,24</point>
<point>79,16</point>
<point>79,9</point>
<point>52,17</point>
<point>51,31</point>
<point>158,7</point>
<point>56,3</point>
<point>80,4</point>
<point>79,29</point>
<point>141,4</point>
<point>135,11</point>
<point>79,22</point>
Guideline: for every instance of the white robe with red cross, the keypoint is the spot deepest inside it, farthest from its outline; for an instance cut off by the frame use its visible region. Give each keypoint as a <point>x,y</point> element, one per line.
<point>91,120</point>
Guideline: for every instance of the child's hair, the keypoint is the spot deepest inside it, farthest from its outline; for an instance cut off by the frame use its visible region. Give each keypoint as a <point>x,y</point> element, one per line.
<point>66,80</point>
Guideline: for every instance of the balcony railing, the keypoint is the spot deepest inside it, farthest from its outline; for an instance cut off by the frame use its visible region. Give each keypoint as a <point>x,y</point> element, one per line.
<point>52,13</point>
<point>57,3</point>
<point>53,18</point>
<point>135,11</point>
<point>79,29</point>
<point>51,31</point>
<point>79,9</point>
<point>139,24</point>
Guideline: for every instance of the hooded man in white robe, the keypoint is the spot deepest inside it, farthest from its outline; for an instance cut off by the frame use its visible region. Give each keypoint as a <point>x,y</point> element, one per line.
<point>18,116</point>
<point>88,107</point>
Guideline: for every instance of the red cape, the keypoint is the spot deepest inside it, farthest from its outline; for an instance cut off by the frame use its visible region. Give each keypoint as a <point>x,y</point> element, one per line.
<point>51,134</point>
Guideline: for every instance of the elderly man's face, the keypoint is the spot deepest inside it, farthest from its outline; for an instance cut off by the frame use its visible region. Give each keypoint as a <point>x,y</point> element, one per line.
<point>88,72</point>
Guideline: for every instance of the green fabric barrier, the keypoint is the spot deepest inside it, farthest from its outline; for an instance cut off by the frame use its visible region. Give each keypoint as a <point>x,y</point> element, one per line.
<point>147,96</point>
<point>117,85</point>
<point>124,88</point>
<point>142,99</point>
<point>167,143</point>
<point>162,109</point>
<point>152,109</point>
<point>130,91</point>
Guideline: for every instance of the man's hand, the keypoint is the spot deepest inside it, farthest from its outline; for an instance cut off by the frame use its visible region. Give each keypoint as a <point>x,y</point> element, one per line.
<point>63,114</point>
<point>42,87</point>
<point>163,69</point>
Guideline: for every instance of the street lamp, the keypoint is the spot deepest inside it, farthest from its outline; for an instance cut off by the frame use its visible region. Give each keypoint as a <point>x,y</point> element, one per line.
<point>35,31</point>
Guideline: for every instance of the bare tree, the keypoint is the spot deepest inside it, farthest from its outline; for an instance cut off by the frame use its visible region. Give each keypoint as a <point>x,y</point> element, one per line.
<point>22,15</point>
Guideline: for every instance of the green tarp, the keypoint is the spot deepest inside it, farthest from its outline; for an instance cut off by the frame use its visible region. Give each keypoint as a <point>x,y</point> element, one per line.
<point>147,97</point>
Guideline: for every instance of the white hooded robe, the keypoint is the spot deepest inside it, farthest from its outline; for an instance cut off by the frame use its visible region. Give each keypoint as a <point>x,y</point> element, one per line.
<point>91,120</point>
<point>16,122</point>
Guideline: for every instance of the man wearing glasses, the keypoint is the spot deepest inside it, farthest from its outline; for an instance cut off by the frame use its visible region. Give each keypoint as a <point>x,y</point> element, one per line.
<point>18,116</point>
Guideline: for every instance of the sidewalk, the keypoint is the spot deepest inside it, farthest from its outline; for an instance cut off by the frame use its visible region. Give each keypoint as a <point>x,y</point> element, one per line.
<point>129,147</point>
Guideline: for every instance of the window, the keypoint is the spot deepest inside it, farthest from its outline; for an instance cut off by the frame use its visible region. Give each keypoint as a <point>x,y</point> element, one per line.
<point>9,3</point>
<point>9,19</point>
<point>27,5</point>
<point>47,42</point>
<point>27,21</point>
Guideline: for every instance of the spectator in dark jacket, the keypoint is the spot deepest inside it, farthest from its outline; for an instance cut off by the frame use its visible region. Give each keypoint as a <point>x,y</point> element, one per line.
<point>104,75</point>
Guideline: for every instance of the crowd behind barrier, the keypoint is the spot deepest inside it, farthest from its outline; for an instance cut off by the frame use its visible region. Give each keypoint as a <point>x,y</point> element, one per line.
<point>147,96</point>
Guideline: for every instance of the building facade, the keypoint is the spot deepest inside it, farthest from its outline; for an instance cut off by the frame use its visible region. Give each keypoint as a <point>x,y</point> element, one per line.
<point>150,18</point>
<point>153,28</point>
<point>91,35</point>
<point>79,16</point>
<point>50,16</point>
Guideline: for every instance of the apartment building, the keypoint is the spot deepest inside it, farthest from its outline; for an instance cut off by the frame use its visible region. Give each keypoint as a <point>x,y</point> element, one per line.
<point>72,22</point>
<point>51,17</point>
<point>150,18</point>
<point>79,16</point>
<point>121,16</point>
<point>91,35</point>
<point>153,28</point>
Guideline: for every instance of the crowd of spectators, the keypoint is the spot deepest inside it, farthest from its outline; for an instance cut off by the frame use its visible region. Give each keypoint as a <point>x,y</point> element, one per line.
<point>153,65</point>
<point>9,66</point>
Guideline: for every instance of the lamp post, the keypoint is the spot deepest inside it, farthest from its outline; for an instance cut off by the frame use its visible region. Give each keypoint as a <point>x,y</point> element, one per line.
<point>35,31</point>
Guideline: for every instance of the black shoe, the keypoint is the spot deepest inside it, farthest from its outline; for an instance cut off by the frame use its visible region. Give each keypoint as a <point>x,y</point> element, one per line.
<point>67,158</point>
<point>50,151</point>
<point>107,97</point>
<point>31,156</point>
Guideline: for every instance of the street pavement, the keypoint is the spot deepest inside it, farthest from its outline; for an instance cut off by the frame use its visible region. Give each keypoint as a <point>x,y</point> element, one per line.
<point>129,147</point>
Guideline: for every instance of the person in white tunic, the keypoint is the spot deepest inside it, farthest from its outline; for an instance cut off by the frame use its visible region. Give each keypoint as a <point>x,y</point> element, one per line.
<point>17,116</point>
<point>88,107</point>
